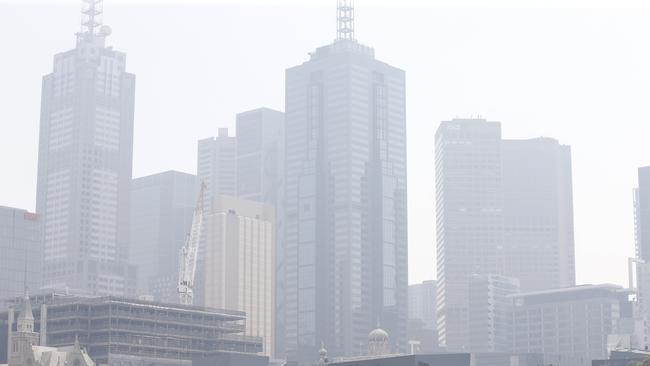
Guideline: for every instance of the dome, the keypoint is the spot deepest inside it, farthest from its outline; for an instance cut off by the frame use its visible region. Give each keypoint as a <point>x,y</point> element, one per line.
<point>378,335</point>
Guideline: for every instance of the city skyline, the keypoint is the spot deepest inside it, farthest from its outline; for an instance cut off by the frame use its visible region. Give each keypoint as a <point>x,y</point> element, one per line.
<point>623,229</point>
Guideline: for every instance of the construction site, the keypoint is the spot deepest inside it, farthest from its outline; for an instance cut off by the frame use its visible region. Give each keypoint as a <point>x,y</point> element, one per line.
<point>130,332</point>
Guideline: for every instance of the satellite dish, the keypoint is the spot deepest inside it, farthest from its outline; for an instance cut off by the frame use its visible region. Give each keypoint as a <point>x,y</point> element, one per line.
<point>105,31</point>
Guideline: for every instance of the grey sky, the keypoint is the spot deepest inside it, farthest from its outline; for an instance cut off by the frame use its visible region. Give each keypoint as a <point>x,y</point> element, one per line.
<point>581,75</point>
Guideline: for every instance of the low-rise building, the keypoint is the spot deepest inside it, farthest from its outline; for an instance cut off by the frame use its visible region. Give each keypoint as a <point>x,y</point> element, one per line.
<point>570,326</point>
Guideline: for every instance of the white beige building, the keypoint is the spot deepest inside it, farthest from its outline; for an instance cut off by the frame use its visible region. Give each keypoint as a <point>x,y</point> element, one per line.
<point>240,262</point>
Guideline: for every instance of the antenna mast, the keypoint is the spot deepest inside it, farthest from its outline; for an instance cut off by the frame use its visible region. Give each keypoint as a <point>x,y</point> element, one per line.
<point>345,20</point>
<point>91,12</point>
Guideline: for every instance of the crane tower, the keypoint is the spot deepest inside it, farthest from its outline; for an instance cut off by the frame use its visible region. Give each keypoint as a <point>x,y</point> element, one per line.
<point>189,254</point>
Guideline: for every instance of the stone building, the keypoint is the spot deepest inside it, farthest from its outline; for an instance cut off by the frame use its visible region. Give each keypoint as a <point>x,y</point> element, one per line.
<point>25,349</point>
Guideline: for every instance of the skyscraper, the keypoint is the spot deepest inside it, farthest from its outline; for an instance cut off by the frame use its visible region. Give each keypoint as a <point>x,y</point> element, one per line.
<point>162,206</point>
<point>20,248</point>
<point>217,165</point>
<point>469,218</point>
<point>538,213</point>
<point>504,207</point>
<point>84,166</point>
<point>240,263</point>
<point>344,263</point>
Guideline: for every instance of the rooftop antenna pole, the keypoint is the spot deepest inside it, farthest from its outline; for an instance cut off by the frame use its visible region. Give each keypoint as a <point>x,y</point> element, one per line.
<point>91,12</point>
<point>345,20</point>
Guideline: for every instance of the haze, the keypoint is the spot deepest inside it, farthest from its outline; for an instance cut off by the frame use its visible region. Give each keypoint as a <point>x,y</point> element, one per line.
<point>578,74</point>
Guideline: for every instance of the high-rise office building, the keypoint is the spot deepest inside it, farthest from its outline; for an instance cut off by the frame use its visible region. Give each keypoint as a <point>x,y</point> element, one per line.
<point>240,263</point>
<point>344,262</point>
<point>504,207</point>
<point>217,165</point>
<point>20,248</point>
<point>538,213</point>
<point>490,312</point>
<point>84,164</point>
<point>162,206</point>
<point>469,218</point>
<point>260,155</point>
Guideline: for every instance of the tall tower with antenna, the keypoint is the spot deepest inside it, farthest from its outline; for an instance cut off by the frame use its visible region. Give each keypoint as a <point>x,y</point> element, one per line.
<point>345,20</point>
<point>85,163</point>
<point>343,266</point>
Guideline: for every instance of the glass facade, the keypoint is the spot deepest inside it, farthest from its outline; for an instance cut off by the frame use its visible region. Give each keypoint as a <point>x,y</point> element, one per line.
<point>344,266</point>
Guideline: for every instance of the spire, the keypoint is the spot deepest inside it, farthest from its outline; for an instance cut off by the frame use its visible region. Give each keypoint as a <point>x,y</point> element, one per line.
<point>26,317</point>
<point>345,20</point>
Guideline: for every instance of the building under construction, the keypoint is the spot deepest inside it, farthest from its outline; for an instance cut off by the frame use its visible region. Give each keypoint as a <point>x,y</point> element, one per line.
<point>126,332</point>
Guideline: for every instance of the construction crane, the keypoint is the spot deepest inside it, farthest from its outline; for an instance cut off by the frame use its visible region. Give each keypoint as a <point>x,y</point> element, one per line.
<point>189,254</point>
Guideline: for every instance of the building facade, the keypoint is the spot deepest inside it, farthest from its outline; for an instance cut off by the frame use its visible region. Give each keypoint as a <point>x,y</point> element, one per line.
<point>217,165</point>
<point>503,207</point>
<point>642,240</point>
<point>84,165</point>
<point>469,218</point>
<point>217,169</point>
<point>569,326</point>
<point>490,313</point>
<point>162,206</point>
<point>344,262</point>
<point>260,177</point>
<point>538,213</point>
<point>240,263</point>
<point>422,316</point>
<point>642,209</point>
<point>20,245</point>
<point>422,303</point>
<point>260,155</point>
